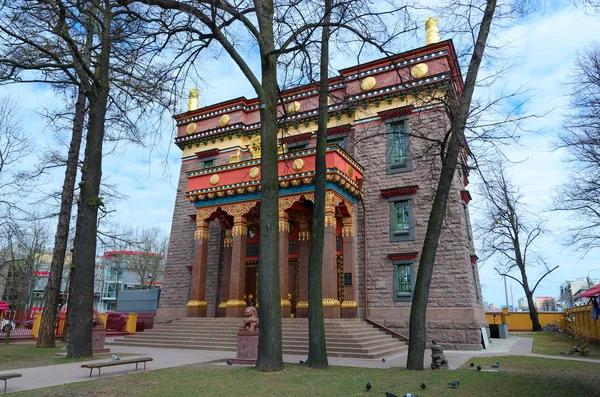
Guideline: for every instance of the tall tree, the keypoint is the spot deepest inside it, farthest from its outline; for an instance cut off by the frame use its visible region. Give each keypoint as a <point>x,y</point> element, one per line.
<point>122,56</point>
<point>509,233</point>
<point>459,113</point>
<point>317,349</point>
<point>580,196</point>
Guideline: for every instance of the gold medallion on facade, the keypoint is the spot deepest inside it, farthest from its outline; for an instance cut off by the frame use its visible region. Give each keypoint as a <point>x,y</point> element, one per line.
<point>368,84</point>
<point>419,70</point>
<point>191,128</point>
<point>294,107</point>
<point>254,172</point>
<point>298,164</point>
<point>214,179</point>
<point>224,120</point>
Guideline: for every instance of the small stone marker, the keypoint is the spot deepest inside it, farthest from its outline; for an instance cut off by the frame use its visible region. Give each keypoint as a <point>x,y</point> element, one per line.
<point>438,360</point>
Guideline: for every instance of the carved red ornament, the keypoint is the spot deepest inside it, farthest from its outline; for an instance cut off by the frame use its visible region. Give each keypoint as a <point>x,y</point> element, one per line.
<point>338,130</point>
<point>403,256</point>
<point>398,112</point>
<point>207,153</point>
<point>296,138</point>
<point>466,196</point>
<point>400,191</point>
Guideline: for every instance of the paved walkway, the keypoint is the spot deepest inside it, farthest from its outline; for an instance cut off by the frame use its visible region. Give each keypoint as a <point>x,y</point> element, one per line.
<point>35,378</point>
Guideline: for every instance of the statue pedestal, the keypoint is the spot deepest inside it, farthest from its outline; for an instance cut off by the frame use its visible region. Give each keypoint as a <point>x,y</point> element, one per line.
<point>247,347</point>
<point>98,338</point>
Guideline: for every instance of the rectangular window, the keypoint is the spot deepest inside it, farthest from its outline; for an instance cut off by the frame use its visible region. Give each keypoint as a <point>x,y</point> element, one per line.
<point>401,223</point>
<point>467,222</point>
<point>475,283</point>
<point>403,280</point>
<point>401,219</point>
<point>208,163</point>
<point>398,147</point>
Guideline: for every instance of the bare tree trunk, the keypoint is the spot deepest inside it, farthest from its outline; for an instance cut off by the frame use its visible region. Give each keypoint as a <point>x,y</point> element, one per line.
<point>46,336</point>
<point>459,115</point>
<point>270,350</point>
<point>317,348</point>
<point>533,314</point>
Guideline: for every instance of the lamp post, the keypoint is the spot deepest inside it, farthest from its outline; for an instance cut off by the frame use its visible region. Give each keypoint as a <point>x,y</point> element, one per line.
<point>588,277</point>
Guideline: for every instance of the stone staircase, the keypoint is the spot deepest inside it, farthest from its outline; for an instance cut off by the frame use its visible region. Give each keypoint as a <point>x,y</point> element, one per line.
<point>352,338</point>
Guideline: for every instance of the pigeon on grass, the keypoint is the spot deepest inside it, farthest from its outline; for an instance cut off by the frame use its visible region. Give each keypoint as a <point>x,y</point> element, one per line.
<point>423,386</point>
<point>497,365</point>
<point>454,384</point>
<point>368,386</point>
<point>479,368</point>
<point>390,394</point>
<point>229,362</point>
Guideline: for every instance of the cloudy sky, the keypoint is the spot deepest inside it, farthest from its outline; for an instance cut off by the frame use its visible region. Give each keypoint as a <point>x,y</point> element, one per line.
<point>542,48</point>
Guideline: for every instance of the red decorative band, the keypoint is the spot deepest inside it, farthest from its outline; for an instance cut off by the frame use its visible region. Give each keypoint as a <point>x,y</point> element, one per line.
<point>296,138</point>
<point>404,256</point>
<point>474,259</point>
<point>207,153</point>
<point>398,112</point>
<point>466,196</point>
<point>339,130</point>
<point>400,191</point>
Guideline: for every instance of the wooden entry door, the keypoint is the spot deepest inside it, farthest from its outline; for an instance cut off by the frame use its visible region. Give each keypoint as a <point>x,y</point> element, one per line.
<point>251,282</point>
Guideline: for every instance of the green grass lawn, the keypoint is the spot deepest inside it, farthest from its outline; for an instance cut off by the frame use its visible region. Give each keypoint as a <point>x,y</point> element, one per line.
<point>518,376</point>
<point>552,344</point>
<point>26,355</point>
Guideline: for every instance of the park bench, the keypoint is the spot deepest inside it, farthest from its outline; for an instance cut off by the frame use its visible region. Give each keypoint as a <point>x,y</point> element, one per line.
<point>112,363</point>
<point>5,377</point>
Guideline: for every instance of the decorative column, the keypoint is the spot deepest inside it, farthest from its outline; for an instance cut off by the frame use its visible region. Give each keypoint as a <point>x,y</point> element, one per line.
<point>303,251</point>
<point>237,279</point>
<point>349,308</point>
<point>331,305</point>
<point>197,306</point>
<point>227,243</point>
<point>284,267</point>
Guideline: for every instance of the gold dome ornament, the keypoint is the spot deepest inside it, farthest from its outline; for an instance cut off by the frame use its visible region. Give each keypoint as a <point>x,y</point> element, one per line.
<point>254,172</point>
<point>368,83</point>
<point>294,107</point>
<point>214,179</point>
<point>224,120</point>
<point>298,164</point>
<point>419,70</point>
<point>191,128</point>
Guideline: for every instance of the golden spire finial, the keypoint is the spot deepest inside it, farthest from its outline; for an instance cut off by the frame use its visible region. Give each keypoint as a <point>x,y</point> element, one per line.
<point>193,99</point>
<point>432,32</point>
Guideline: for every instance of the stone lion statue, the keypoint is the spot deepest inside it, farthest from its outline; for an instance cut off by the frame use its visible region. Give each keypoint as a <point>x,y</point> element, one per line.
<point>97,320</point>
<point>250,319</point>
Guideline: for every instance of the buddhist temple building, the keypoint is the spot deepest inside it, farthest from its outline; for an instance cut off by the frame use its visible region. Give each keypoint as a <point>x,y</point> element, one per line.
<point>383,160</point>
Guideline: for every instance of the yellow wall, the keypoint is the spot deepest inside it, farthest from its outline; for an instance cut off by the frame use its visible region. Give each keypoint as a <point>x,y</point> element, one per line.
<point>520,321</point>
<point>583,315</point>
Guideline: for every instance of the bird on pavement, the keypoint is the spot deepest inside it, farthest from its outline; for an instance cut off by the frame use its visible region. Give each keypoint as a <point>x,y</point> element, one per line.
<point>368,386</point>
<point>383,359</point>
<point>471,365</point>
<point>229,362</point>
<point>454,384</point>
<point>479,368</point>
<point>115,357</point>
<point>423,385</point>
<point>497,365</point>
<point>390,394</point>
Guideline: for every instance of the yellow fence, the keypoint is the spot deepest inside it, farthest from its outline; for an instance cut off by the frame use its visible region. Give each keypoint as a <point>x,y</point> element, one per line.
<point>583,316</point>
<point>520,321</point>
